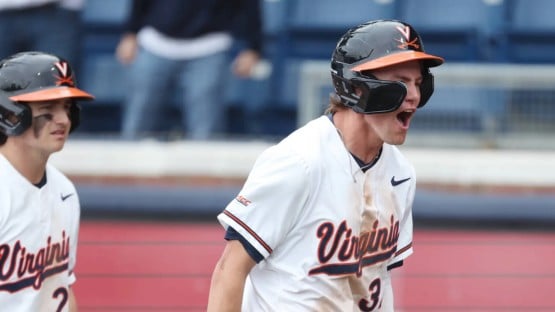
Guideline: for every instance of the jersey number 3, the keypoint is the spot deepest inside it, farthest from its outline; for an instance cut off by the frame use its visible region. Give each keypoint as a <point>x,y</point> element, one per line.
<point>375,290</point>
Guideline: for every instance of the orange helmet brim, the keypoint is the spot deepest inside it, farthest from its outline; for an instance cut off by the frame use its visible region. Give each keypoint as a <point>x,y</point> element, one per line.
<point>52,94</point>
<point>397,58</point>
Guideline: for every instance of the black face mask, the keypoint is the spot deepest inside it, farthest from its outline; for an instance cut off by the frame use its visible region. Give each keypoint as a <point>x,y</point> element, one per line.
<point>378,96</point>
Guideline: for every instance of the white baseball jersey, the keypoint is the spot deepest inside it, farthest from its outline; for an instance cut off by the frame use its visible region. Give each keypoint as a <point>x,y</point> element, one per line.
<point>326,229</point>
<point>38,240</point>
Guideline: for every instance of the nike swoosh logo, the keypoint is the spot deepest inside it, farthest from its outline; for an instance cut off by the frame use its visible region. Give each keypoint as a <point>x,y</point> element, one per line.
<point>397,182</point>
<point>64,197</point>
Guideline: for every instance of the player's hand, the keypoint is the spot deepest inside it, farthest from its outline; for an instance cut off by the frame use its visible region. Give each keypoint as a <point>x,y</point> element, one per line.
<point>127,49</point>
<point>245,62</point>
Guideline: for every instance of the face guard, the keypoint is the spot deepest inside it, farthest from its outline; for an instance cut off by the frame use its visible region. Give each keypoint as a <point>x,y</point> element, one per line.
<point>376,96</point>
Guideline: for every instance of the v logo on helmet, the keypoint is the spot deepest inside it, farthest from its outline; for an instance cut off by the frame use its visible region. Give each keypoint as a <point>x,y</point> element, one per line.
<point>62,67</point>
<point>406,42</point>
<point>66,78</point>
<point>405,31</point>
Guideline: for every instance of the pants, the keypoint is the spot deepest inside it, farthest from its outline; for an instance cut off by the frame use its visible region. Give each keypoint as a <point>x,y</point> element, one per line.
<point>151,86</point>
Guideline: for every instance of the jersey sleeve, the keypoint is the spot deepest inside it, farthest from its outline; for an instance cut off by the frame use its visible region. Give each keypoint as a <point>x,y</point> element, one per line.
<point>75,237</point>
<point>73,218</point>
<point>270,201</point>
<point>231,234</point>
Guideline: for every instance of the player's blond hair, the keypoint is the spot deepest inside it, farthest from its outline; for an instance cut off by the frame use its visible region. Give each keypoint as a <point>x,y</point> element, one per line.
<point>335,104</point>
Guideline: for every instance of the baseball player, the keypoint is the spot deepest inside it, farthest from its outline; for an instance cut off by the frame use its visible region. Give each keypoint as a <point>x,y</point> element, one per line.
<point>39,215</point>
<point>326,213</point>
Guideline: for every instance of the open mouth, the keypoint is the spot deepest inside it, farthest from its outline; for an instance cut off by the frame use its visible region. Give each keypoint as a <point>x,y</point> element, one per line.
<point>404,117</point>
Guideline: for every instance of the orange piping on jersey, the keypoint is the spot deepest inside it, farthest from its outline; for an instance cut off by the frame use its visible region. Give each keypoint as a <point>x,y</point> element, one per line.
<point>251,232</point>
<point>400,251</point>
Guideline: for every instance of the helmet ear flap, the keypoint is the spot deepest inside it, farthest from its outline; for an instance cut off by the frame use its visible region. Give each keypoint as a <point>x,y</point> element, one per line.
<point>15,117</point>
<point>345,90</point>
<point>426,87</point>
<point>74,116</point>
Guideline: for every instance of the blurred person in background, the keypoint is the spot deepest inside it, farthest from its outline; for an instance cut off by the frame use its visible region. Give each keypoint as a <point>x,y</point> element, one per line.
<point>52,26</point>
<point>40,208</point>
<point>326,213</point>
<point>187,44</point>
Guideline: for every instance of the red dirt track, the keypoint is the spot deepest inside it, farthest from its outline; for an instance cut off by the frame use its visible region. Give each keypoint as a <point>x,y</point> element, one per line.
<point>156,266</point>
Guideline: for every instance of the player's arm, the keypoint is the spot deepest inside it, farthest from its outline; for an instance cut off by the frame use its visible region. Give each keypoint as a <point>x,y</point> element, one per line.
<point>228,278</point>
<point>72,301</point>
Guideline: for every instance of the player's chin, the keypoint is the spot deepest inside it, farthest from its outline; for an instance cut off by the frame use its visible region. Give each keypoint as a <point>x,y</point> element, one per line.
<point>396,141</point>
<point>57,146</point>
<point>397,137</point>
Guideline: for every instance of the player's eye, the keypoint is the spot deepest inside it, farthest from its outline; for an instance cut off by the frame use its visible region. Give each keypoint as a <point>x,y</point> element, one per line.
<point>44,109</point>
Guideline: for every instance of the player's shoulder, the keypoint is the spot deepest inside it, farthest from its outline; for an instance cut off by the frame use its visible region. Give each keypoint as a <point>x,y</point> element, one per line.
<point>10,178</point>
<point>4,166</point>
<point>393,157</point>
<point>6,185</point>
<point>310,139</point>
<point>58,178</point>
<point>303,149</point>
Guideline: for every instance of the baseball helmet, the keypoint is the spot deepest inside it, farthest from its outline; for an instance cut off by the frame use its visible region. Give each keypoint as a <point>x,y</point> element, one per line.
<point>374,45</point>
<point>31,77</point>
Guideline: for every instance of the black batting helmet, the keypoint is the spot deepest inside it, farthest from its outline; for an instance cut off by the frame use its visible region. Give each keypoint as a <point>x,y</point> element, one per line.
<point>32,77</point>
<point>374,45</point>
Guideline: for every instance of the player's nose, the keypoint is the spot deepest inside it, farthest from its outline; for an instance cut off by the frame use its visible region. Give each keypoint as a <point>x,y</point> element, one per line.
<point>413,95</point>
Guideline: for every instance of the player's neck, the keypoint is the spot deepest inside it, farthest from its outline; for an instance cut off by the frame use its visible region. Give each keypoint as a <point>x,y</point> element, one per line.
<point>30,164</point>
<point>356,137</point>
